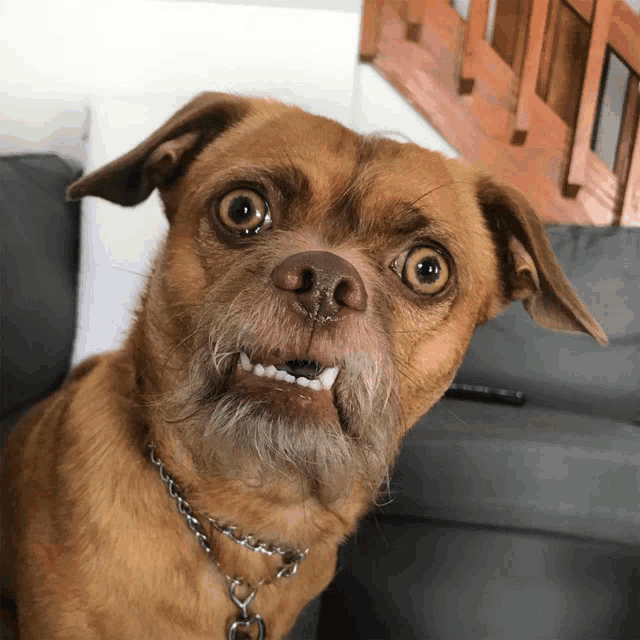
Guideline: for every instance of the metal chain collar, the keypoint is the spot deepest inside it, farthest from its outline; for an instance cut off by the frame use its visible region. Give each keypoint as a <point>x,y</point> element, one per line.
<point>291,557</point>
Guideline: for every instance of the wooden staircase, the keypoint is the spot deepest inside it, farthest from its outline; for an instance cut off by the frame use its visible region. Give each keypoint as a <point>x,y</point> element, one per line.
<point>523,88</point>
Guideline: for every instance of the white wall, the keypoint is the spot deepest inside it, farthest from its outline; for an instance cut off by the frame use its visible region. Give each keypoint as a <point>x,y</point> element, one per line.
<point>134,48</point>
<point>379,108</point>
<point>135,61</point>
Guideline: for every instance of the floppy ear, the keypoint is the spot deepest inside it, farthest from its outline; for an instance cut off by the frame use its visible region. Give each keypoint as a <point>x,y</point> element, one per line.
<point>163,157</point>
<point>530,270</point>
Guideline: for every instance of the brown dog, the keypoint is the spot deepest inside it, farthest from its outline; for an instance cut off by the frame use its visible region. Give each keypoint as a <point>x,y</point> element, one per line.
<point>315,295</point>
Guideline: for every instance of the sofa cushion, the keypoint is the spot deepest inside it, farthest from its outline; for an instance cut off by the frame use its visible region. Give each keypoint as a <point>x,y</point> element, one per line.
<point>570,371</point>
<point>521,467</point>
<point>38,274</point>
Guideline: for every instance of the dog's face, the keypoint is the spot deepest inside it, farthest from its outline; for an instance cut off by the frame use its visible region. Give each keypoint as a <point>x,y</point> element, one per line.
<point>317,289</point>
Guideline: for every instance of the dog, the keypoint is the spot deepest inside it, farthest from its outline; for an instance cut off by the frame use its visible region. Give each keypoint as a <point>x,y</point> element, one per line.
<point>314,296</point>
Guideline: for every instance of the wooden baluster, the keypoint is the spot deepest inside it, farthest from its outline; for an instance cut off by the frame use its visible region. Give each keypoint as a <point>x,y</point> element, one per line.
<point>631,199</point>
<point>544,74</point>
<point>628,126</point>
<point>474,33</point>
<point>370,31</point>
<point>623,168</point>
<point>415,16</point>
<point>589,97</point>
<point>530,69</point>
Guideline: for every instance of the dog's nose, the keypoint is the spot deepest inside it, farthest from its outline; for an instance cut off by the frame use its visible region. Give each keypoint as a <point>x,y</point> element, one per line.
<point>323,283</point>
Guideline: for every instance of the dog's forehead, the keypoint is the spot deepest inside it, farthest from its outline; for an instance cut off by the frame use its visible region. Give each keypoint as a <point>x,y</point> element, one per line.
<point>364,182</point>
<point>277,135</point>
<point>403,178</point>
<point>334,158</point>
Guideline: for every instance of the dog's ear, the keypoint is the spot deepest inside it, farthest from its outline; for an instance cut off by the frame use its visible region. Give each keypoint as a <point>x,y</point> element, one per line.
<point>163,157</point>
<point>530,270</point>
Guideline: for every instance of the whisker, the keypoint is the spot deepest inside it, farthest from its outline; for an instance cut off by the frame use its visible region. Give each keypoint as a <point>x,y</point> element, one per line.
<point>457,417</point>
<point>141,274</point>
<point>440,186</point>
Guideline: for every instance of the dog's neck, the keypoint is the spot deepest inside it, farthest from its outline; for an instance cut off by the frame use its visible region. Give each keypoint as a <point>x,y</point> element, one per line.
<point>290,558</point>
<point>276,509</point>
<point>273,513</point>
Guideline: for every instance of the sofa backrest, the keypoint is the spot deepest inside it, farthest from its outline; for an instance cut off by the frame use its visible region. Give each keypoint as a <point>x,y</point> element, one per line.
<point>570,371</point>
<point>38,278</point>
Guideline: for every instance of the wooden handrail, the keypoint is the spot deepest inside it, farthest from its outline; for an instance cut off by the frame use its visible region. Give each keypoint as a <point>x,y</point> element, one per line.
<point>589,97</point>
<point>476,25</point>
<point>529,75</point>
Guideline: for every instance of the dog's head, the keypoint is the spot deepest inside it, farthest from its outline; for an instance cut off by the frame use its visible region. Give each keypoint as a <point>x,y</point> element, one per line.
<point>317,289</point>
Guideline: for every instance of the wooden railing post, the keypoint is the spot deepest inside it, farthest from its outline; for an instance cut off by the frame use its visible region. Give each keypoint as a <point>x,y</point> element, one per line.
<point>474,33</point>
<point>370,32</point>
<point>601,18</point>
<point>530,69</point>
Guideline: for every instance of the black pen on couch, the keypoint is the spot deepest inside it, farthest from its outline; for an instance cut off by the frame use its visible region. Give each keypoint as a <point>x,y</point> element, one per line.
<point>486,394</point>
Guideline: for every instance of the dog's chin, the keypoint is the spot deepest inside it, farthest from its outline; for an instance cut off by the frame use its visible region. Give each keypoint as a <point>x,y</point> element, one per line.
<point>322,439</point>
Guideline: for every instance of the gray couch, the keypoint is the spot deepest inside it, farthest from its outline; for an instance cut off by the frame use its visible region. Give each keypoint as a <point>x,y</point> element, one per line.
<point>517,522</point>
<point>504,522</point>
<point>39,255</point>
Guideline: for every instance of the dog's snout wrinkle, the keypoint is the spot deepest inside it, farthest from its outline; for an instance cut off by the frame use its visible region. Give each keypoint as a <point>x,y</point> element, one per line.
<point>321,283</point>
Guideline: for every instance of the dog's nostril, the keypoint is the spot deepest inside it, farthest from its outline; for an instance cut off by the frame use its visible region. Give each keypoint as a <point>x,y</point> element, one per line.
<point>341,293</point>
<point>307,281</point>
<point>351,293</point>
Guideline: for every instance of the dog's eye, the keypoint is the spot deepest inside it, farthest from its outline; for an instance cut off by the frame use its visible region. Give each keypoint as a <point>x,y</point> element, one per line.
<point>425,270</point>
<point>244,212</point>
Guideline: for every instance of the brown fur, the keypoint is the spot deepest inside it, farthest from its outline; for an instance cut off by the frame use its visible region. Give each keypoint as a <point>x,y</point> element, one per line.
<point>101,550</point>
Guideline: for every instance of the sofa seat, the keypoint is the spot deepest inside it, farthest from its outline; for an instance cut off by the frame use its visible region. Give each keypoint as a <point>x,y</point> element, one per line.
<point>409,579</point>
<point>532,467</point>
<point>502,523</point>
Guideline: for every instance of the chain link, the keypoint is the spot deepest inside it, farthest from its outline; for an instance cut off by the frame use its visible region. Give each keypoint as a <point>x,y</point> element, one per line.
<point>291,557</point>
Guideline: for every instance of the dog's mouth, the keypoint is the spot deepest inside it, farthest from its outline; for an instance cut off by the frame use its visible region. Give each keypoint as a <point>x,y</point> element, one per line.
<point>303,411</point>
<point>305,373</point>
<point>289,387</point>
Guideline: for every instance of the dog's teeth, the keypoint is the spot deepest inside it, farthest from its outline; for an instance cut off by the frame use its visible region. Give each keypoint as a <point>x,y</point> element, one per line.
<point>324,381</point>
<point>245,363</point>
<point>328,377</point>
